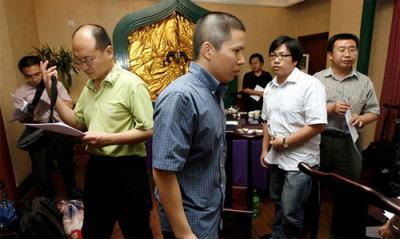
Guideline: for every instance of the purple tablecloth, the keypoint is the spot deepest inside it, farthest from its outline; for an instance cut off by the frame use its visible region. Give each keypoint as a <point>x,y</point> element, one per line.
<point>239,167</point>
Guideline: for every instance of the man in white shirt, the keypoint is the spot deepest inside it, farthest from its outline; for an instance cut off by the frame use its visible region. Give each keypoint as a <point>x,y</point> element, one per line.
<point>294,114</point>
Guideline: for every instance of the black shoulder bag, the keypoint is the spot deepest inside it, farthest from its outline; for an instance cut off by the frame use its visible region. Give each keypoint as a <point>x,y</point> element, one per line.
<point>33,138</point>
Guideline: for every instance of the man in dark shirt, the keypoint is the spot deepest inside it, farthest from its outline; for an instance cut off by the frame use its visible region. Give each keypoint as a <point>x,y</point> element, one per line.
<point>250,81</point>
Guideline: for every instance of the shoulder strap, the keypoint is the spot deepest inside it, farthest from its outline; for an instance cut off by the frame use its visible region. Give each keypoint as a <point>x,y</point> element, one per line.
<point>38,94</point>
<point>35,101</point>
<point>53,97</point>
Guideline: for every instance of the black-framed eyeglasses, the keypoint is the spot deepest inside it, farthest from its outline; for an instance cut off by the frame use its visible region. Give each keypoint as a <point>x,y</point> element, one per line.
<point>279,56</point>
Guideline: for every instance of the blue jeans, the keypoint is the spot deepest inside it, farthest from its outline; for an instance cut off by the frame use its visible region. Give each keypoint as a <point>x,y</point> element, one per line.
<point>289,191</point>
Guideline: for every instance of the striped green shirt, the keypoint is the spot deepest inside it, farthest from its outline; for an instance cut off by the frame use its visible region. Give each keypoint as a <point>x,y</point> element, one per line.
<point>356,88</point>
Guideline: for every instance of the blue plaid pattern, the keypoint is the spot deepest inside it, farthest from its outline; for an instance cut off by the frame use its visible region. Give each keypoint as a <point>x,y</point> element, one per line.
<point>189,139</point>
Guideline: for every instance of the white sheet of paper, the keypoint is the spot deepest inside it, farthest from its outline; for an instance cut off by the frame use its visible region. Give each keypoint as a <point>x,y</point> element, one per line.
<point>372,232</point>
<point>20,113</point>
<point>58,127</point>
<point>388,214</point>
<point>256,97</point>
<point>352,129</point>
<point>21,103</point>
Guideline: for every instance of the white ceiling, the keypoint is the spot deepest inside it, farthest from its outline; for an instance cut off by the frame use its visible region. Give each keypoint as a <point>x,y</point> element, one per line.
<point>264,3</point>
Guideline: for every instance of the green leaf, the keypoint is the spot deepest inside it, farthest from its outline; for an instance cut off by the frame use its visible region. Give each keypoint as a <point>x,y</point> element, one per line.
<point>63,59</point>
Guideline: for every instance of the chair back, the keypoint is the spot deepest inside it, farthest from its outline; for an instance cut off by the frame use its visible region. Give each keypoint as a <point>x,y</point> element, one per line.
<point>372,197</point>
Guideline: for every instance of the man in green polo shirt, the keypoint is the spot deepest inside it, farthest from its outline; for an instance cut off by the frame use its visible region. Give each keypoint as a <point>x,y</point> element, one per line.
<point>116,112</point>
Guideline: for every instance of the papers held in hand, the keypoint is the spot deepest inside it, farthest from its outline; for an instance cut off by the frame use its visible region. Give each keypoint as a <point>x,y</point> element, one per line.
<point>21,111</point>
<point>353,131</point>
<point>256,97</point>
<point>58,127</point>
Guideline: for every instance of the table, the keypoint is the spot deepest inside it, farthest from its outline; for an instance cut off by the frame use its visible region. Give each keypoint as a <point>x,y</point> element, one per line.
<point>244,164</point>
<point>239,170</point>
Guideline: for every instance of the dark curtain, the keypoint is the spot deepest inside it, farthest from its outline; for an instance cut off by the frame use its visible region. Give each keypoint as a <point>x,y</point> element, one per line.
<point>6,169</point>
<point>391,84</point>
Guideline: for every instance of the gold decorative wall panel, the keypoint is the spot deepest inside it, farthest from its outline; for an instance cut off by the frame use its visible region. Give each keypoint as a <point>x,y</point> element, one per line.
<point>161,52</point>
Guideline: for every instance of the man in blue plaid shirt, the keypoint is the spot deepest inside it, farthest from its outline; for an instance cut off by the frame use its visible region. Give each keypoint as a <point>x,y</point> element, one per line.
<point>189,146</point>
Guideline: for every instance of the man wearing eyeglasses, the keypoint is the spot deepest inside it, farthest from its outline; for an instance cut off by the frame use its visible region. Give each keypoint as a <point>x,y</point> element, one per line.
<point>294,114</point>
<point>60,147</point>
<point>116,112</point>
<point>346,89</point>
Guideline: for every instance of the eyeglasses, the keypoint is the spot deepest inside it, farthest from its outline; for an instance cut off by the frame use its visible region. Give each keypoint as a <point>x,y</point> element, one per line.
<point>87,62</point>
<point>32,77</point>
<point>280,56</point>
<point>348,50</point>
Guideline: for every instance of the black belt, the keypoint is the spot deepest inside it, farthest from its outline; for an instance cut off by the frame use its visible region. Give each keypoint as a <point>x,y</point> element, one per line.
<point>335,134</point>
<point>130,158</point>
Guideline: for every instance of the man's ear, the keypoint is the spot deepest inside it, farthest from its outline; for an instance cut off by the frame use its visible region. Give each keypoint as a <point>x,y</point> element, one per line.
<point>109,51</point>
<point>207,50</point>
<point>329,55</point>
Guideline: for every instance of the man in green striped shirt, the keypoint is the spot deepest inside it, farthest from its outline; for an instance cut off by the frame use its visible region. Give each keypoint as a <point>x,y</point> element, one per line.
<point>346,89</point>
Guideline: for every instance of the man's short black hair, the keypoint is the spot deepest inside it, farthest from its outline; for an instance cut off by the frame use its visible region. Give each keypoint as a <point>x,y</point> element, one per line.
<point>341,36</point>
<point>216,28</point>
<point>260,57</point>
<point>28,61</point>
<point>296,50</point>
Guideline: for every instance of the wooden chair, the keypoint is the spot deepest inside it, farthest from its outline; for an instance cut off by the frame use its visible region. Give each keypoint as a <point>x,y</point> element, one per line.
<point>371,196</point>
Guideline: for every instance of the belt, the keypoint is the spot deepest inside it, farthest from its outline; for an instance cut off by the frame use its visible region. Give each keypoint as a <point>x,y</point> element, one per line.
<point>335,134</point>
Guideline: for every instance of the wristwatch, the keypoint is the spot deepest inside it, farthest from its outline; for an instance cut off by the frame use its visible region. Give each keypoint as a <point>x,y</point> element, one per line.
<point>285,143</point>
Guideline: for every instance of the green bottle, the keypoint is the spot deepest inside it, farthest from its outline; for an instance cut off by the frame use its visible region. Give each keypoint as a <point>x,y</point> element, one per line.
<point>256,203</point>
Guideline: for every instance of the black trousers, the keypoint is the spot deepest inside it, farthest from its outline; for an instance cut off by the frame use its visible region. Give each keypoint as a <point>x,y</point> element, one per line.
<point>339,155</point>
<point>60,148</point>
<point>117,189</point>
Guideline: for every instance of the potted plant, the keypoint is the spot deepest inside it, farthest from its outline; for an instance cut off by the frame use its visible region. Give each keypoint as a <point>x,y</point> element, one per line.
<point>63,59</point>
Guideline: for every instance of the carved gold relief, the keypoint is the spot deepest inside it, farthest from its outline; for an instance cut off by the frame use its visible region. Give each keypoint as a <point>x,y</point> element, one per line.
<point>161,52</point>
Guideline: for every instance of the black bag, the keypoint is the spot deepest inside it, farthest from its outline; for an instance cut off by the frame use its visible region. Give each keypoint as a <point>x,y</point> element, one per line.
<point>382,158</point>
<point>34,138</point>
<point>380,154</point>
<point>41,219</point>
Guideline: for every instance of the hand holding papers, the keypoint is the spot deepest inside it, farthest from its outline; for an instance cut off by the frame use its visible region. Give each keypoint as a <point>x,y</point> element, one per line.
<point>21,112</point>
<point>59,127</point>
<point>256,97</point>
<point>352,129</point>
